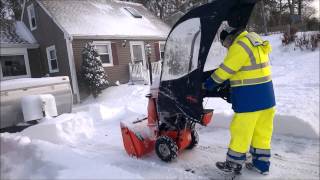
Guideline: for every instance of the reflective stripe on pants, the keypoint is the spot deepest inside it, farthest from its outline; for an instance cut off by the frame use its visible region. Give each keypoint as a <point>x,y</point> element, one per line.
<point>236,157</point>
<point>261,158</point>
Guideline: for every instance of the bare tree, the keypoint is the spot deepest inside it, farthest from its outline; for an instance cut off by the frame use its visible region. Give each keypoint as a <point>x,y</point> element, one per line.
<point>263,14</point>
<point>165,8</point>
<point>10,9</point>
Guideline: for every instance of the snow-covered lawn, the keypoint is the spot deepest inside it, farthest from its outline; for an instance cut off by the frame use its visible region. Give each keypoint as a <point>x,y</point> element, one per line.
<point>87,144</point>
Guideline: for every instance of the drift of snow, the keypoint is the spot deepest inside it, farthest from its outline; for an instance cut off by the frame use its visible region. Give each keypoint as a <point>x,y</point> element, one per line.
<point>32,159</point>
<point>87,144</point>
<point>66,128</point>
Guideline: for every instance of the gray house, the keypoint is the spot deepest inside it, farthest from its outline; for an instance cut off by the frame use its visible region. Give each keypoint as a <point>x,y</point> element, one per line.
<point>19,53</point>
<point>119,30</point>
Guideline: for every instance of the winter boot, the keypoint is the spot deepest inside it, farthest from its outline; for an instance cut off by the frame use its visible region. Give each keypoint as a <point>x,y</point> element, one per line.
<point>229,166</point>
<point>260,160</point>
<point>251,167</point>
<point>233,163</point>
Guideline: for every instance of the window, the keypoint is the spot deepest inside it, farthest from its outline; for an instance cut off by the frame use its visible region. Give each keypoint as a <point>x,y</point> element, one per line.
<point>52,59</point>
<point>182,50</point>
<point>137,52</point>
<point>133,12</point>
<point>13,65</point>
<point>104,51</point>
<point>32,17</point>
<point>161,49</point>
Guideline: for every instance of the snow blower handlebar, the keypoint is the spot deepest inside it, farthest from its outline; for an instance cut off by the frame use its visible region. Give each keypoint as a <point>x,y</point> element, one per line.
<point>222,91</point>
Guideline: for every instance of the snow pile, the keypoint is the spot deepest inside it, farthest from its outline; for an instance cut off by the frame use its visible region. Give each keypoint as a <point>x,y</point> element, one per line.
<point>66,128</point>
<point>125,97</point>
<point>19,159</point>
<point>34,159</point>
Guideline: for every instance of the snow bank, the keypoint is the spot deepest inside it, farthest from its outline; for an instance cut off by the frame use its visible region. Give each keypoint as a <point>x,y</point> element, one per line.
<point>125,97</point>
<point>19,158</point>
<point>66,128</point>
<point>23,158</point>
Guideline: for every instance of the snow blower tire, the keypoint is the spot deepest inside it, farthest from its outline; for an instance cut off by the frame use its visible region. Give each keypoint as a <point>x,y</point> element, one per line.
<point>166,148</point>
<point>194,139</point>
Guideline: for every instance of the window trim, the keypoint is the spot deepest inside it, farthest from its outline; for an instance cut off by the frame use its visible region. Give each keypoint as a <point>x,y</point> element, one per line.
<point>48,49</point>
<point>160,43</point>
<point>133,12</point>
<point>16,52</point>
<point>105,43</point>
<point>29,8</point>
<point>143,51</point>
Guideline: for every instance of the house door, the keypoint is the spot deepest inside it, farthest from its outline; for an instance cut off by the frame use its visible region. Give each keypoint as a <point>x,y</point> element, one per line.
<point>138,52</point>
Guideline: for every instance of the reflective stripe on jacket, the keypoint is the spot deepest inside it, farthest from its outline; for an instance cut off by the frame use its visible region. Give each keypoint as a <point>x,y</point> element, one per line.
<point>248,69</point>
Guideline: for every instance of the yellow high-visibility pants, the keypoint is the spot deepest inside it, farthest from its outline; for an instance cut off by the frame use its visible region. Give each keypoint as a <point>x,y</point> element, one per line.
<point>252,128</point>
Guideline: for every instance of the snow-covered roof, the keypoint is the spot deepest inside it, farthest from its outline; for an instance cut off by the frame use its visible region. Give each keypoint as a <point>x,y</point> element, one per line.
<point>104,18</point>
<point>16,34</point>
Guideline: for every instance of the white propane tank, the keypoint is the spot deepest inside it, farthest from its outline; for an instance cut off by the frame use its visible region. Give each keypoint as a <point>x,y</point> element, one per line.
<point>35,107</point>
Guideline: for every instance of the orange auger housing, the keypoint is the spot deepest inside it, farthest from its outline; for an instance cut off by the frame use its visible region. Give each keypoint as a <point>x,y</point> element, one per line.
<point>144,135</point>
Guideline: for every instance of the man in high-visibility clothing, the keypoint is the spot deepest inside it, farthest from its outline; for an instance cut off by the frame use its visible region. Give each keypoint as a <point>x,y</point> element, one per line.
<point>247,67</point>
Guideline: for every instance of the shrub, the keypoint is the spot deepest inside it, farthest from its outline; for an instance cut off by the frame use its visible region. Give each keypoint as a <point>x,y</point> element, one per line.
<point>308,41</point>
<point>289,36</point>
<point>92,71</point>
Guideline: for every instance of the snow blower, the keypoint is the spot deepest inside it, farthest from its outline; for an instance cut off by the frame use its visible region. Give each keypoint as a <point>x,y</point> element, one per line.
<point>175,101</point>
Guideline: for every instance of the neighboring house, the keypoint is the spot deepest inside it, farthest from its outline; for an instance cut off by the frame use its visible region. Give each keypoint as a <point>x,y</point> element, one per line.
<point>19,55</point>
<point>119,30</point>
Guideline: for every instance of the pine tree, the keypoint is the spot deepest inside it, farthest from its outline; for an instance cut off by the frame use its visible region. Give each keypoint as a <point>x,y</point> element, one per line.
<point>92,71</point>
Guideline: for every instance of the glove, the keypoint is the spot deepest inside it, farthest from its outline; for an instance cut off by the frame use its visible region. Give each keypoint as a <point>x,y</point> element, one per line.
<point>209,84</point>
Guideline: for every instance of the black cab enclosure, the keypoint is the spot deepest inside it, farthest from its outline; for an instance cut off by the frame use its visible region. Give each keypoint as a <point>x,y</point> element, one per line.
<point>186,52</point>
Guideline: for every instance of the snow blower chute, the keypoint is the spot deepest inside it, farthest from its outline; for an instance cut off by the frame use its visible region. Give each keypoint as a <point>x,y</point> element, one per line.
<point>175,103</point>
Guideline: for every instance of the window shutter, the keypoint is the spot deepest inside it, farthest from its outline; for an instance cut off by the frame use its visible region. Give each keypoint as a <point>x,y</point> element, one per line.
<point>114,53</point>
<point>157,51</point>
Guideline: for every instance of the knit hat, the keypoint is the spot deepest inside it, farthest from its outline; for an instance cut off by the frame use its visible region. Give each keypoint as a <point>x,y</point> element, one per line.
<point>224,33</point>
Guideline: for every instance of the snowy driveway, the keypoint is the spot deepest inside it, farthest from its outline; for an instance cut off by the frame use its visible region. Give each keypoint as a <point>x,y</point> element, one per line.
<point>87,144</point>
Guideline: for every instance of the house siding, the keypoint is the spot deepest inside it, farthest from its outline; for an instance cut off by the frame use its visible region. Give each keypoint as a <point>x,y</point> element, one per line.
<point>117,72</point>
<point>47,34</point>
<point>36,65</point>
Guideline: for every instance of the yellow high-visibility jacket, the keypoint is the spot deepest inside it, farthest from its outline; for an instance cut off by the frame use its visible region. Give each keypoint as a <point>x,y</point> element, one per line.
<point>248,68</point>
